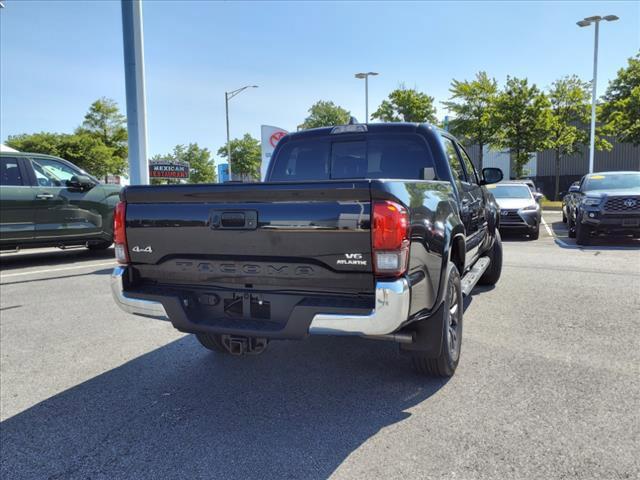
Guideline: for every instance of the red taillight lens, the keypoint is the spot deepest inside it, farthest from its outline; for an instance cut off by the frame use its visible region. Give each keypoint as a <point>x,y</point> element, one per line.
<point>390,238</point>
<point>119,235</point>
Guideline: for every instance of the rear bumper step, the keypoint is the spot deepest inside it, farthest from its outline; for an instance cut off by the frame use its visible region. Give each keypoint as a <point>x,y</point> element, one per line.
<point>392,299</point>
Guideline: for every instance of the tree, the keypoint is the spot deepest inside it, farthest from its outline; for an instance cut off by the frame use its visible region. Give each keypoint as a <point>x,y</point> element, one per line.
<point>43,142</point>
<point>105,122</point>
<point>524,115</point>
<point>84,150</point>
<point>201,167</point>
<point>90,154</point>
<point>621,108</point>
<point>569,99</point>
<point>406,105</point>
<point>246,157</point>
<point>473,104</point>
<point>325,114</point>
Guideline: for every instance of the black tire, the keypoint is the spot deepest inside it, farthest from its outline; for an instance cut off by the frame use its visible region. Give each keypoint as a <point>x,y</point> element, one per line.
<point>212,342</point>
<point>492,274</point>
<point>99,245</point>
<point>582,235</point>
<point>451,319</point>
<point>535,234</point>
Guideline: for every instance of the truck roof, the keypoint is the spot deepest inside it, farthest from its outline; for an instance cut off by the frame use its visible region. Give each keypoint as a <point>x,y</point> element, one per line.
<point>386,127</point>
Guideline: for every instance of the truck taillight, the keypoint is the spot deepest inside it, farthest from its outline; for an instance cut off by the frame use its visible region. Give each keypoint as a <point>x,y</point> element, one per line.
<point>119,235</point>
<point>390,238</point>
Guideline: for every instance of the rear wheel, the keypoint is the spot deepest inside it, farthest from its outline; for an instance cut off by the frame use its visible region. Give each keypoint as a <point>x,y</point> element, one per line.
<point>493,272</point>
<point>452,309</point>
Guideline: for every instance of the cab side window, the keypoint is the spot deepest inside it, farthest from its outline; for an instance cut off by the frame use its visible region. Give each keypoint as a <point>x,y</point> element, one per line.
<point>52,173</point>
<point>472,176</point>
<point>10,172</point>
<point>454,162</point>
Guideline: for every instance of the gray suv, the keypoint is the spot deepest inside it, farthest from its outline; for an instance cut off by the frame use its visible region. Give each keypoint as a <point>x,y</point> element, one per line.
<point>519,207</point>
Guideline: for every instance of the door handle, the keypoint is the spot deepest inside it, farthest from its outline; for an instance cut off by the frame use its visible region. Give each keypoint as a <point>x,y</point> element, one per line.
<point>44,196</point>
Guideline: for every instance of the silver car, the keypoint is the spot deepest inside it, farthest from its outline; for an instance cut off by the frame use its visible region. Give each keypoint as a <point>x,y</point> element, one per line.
<point>519,207</point>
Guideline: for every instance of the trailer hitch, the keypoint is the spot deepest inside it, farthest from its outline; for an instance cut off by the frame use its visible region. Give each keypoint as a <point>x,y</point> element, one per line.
<point>238,346</point>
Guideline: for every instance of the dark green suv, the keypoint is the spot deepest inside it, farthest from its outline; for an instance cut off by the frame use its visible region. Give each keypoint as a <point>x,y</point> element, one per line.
<point>46,201</point>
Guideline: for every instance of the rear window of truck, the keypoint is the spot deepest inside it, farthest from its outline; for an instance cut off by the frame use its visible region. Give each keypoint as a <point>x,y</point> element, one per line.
<point>364,156</point>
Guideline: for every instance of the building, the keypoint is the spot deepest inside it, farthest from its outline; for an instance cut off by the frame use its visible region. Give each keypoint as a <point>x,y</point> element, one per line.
<point>542,166</point>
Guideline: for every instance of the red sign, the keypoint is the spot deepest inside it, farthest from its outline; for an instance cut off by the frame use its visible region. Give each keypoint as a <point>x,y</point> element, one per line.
<point>168,170</point>
<point>275,138</point>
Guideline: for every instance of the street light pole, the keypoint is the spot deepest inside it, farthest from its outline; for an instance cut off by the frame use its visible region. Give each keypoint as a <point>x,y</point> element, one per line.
<point>226,108</point>
<point>585,23</point>
<point>228,96</point>
<point>366,91</point>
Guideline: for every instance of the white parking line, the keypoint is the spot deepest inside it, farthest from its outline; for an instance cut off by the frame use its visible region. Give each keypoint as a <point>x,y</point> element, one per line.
<point>552,235</point>
<point>546,226</point>
<point>52,270</point>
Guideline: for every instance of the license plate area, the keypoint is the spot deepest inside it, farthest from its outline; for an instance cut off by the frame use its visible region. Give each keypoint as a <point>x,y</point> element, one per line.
<point>631,222</point>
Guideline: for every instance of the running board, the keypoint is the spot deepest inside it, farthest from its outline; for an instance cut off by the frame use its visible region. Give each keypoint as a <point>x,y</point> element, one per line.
<point>472,276</point>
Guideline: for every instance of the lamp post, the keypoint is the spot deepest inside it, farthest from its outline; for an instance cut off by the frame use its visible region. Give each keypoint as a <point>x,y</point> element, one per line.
<point>585,23</point>
<point>228,96</point>
<point>366,91</point>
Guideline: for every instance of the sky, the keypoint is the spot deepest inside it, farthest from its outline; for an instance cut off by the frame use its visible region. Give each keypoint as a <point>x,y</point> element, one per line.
<point>57,57</point>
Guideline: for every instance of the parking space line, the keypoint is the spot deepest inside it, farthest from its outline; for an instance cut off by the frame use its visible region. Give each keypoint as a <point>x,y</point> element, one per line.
<point>552,235</point>
<point>546,226</point>
<point>52,270</point>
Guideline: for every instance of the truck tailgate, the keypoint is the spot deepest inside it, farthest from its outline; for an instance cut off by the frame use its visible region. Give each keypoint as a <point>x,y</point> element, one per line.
<point>311,236</point>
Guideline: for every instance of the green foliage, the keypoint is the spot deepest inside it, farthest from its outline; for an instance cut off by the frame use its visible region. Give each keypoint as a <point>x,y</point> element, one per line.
<point>621,110</point>
<point>569,98</point>
<point>43,142</point>
<point>99,146</point>
<point>104,122</point>
<point>90,154</point>
<point>406,105</point>
<point>524,115</point>
<point>201,167</point>
<point>473,105</point>
<point>246,157</point>
<point>84,150</point>
<point>325,114</point>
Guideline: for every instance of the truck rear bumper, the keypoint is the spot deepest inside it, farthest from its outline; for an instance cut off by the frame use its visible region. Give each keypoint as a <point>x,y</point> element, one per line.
<point>391,311</point>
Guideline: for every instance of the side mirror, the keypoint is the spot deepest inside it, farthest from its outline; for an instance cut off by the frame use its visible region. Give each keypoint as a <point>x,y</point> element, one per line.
<point>491,175</point>
<point>80,182</point>
<point>574,188</point>
<point>538,196</point>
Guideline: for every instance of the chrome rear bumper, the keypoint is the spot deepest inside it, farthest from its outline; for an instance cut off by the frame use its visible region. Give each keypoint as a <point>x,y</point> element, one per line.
<point>391,309</point>
<point>146,308</point>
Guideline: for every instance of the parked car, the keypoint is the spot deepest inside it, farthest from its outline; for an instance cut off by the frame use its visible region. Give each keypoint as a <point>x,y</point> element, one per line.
<point>372,230</point>
<point>573,188</point>
<point>519,207</point>
<point>47,201</point>
<point>529,183</point>
<point>604,203</point>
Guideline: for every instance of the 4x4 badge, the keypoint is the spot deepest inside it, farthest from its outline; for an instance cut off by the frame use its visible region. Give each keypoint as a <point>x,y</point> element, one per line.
<point>137,249</point>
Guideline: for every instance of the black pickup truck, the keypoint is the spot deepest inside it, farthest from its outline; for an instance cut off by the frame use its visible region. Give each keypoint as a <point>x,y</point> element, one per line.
<point>374,230</point>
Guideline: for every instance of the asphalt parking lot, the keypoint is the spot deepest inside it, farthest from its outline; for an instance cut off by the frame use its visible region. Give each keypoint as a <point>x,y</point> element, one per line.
<point>548,385</point>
